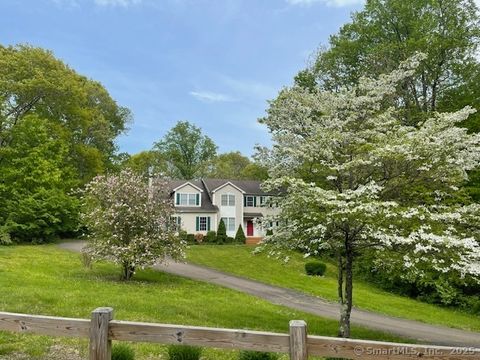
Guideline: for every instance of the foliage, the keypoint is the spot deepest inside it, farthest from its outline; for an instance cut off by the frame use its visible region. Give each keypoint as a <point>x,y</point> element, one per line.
<point>128,221</point>
<point>316,268</point>
<point>240,235</point>
<point>388,32</point>
<point>377,184</point>
<point>147,164</point>
<point>187,151</point>
<point>211,237</point>
<point>184,352</point>
<point>256,355</point>
<point>269,232</point>
<point>122,351</point>
<point>36,181</point>
<point>233,165</point>
<point>221,233</point>
<point>5,238</point>
<point>191,238</point>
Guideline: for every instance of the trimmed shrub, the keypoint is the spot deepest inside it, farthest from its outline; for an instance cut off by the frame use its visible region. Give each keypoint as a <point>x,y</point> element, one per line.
<point>122,352</point>
<point>240,235</point>
<point>199,238</point>
<point>211,237</point>
<point>230,240</point>
<point>184,352</point>
<point>190,238</point>
<point>221,233</point>
<point>315,268</point>
<point>256,355</point>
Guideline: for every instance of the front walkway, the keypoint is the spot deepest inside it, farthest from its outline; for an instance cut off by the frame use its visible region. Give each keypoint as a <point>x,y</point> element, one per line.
<point>299,301</point>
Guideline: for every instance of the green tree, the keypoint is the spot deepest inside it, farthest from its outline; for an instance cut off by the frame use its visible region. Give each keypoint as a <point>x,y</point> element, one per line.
<point>221,233</point>
<point>37,179</point>
<point>147,163</point>
<point>240,235</point>
<point>33,81</point>
<point>387,32</point>
<point>254,171</point>
<point>229,165</point>
<point>189,153</point>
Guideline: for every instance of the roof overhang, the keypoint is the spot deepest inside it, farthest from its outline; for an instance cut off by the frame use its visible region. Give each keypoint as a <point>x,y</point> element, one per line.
<point>228,183</point>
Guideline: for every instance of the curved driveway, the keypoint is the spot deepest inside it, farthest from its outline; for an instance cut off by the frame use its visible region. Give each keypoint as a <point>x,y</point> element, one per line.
<point>422,332</point>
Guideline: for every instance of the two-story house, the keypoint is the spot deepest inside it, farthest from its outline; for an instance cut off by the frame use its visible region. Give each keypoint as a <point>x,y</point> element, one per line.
<point>201,204</point>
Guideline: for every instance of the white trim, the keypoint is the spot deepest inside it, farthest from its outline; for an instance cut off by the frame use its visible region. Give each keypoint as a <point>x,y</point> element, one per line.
<point>185,184</point>
<point>228,183</point>
<point>228,199</point>
<point>188,196</point>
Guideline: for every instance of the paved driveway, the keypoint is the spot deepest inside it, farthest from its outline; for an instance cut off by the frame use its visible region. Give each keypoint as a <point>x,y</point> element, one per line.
<point>299,301</point>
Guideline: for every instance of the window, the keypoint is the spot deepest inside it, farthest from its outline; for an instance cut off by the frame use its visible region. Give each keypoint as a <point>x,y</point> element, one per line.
<point>229,223</point>
<point>176,222</point>
<point>228,200</point>
<point>188,199</point>
<point>203,223</point>
<point>250,201</point>
<point>263,200</point>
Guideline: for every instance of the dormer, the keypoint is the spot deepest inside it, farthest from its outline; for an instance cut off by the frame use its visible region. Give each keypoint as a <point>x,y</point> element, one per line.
<point>187,195</point>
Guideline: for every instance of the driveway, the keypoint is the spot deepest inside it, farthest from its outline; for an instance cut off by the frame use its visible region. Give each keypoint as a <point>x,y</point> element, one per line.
<point>419,331</point>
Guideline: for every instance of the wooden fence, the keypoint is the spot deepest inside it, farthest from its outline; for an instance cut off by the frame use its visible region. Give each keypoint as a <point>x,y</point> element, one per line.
<point>101,329</point>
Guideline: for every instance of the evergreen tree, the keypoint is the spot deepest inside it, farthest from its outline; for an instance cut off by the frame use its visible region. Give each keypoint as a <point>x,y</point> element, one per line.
<point>221,233</point>
<point>240,235</point>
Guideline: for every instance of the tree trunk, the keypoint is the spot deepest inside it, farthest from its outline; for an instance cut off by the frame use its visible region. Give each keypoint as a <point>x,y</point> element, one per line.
<point>128,271</point>
<point>345,292</point>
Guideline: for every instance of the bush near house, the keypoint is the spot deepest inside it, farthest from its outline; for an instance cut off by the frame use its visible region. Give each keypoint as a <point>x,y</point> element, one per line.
<point>221,233</point>
<point>315,268</point>
<point>240,235</point>
<point>211,237</point>
<point>199,238</point>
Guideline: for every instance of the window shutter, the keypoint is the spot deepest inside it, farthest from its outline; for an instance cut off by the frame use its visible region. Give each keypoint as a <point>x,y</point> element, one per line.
<point>197,199</point>
<point>244,201</point>
<point>208,223</point>
<point>178,199</point>
<point>254,201</point>
<point>197,223</point>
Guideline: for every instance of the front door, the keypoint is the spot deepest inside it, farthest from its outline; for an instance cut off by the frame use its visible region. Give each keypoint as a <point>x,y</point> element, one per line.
<point>249,228</point>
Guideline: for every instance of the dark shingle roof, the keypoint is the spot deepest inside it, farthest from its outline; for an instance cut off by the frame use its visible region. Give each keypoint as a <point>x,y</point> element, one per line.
<point>251,187</point>
<point>206,201</point>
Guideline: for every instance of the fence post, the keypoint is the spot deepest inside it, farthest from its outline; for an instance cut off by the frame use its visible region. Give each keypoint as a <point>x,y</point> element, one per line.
<point>100,345</point>
<point>298,340</point>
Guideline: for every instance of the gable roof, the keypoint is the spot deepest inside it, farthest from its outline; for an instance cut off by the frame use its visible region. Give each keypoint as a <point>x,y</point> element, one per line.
<point>228,183</point>
<point>188,183</point>
<point>250,187</point>
<point>205,199</point>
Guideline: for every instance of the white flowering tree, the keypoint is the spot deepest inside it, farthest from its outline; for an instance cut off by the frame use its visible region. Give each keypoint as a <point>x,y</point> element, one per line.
<point>356,179</point>
<point>129,222</point>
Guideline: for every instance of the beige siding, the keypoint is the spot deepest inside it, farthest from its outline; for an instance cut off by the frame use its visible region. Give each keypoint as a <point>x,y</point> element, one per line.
<point>229,211</point>
<point>188,222</point>
<point>187,189</point>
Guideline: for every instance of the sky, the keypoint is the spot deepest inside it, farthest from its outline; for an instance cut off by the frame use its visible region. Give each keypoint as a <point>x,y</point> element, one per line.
<point>215,63</point>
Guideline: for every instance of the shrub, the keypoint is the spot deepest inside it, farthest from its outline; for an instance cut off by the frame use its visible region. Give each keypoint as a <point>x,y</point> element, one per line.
<point>5,237</point>
<point>211,237</point>
<point>190,238</point>
<point>269,232</point>
<point>182,234</point>
<point>221,233</point>
<point>256,355</point>
<point>230,240</point>
<point>199,238</point>
<point>315,268</point>
<point>240,235</point>
<point>184,352</point>
<point>122,352</point>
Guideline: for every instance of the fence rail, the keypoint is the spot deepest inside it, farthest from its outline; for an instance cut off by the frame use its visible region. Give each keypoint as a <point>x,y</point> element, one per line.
<point>101,329</point>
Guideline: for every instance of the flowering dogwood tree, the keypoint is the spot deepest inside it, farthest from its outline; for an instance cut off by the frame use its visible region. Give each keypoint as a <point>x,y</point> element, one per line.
<point>356,179</point>
<point>129,221</point>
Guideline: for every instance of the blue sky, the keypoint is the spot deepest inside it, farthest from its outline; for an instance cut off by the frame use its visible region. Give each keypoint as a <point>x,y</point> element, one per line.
<point>214,63</point>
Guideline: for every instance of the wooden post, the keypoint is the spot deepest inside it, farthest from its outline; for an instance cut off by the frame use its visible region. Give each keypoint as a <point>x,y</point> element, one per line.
<point>100,345</point>
<point>298,340</point>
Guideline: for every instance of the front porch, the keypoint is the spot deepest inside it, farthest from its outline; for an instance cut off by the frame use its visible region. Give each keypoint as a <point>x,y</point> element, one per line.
<point>253,231</point>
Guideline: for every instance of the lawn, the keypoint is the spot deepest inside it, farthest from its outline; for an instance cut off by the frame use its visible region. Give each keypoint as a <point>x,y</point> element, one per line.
<point>239,260</point>
<point>50,281</point>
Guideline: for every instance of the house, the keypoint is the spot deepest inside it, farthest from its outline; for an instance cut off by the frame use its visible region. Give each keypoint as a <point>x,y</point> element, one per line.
<point>201,204</point>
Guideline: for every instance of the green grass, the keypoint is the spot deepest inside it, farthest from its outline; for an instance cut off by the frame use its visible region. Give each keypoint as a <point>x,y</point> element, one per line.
<point>239,260</point>
<point>50,281</point>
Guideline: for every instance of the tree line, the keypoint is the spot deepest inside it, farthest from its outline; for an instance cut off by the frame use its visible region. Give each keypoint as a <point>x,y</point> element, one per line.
<point>58,130</point>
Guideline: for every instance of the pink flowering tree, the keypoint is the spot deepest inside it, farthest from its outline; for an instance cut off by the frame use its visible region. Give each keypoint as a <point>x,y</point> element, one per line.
<point>358,181</point>
<point>129,222</point>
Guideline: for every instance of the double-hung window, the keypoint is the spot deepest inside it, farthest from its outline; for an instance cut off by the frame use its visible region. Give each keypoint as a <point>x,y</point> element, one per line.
<point>250,201</point>
<point>229,223</point>
<point>184,199</point>
<point>203,223</point>
<point>228,200</point>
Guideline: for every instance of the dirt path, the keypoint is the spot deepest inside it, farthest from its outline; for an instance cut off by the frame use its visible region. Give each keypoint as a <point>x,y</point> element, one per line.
<point>299,301</point>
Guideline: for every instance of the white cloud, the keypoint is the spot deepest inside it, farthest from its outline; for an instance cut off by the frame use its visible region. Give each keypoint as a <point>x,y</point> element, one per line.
<point>334,3</point>
<point>207,96</point>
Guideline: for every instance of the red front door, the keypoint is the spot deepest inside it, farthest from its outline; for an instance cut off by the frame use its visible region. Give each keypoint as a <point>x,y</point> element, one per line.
<point>249,228</point>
